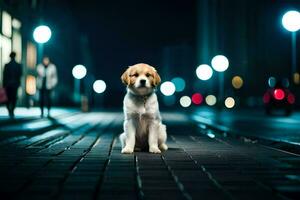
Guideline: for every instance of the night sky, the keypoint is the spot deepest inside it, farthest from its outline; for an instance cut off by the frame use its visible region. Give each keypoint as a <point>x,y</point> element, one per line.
<point>117,34</point>
<point>122,33</point>
<point>108,36</point>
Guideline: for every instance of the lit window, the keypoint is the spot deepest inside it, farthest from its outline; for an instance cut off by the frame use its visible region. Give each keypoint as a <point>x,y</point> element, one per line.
<point>30,85</point>
<point>31,55</point>
<point>6,49</point>
<point>16,24</point>
<point>17,45</point>
<point>6,24</point>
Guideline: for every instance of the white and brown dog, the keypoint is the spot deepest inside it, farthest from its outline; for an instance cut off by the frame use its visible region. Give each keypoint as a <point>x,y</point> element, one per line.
<point>142,126</point>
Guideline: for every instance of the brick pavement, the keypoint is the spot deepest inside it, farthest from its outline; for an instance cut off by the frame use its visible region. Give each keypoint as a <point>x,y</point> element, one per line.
<point>79,158</point>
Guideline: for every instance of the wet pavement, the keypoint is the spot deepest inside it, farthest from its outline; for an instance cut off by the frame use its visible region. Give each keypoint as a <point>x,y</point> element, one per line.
<point>253,123</point>
<point>77,156</point>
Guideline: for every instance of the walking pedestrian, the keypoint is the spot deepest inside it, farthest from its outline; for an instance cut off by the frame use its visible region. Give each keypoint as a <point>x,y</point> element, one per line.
<point>46,82</point>
<point>12,74</point>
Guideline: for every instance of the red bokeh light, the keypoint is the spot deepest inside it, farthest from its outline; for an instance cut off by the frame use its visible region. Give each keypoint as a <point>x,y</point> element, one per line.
<point>197,98</point>
<point>266,98</point>
<point>291,98</point>
<point>279,94</point>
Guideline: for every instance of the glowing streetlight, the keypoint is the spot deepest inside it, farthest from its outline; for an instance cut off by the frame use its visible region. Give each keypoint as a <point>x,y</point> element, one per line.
<point>42,34</point>
<point>220,63</point>
<point>229,102</point>
<point>79,71</point>
<point>204,72</point>
<point>99,86</point>
<point>185,101</point>
<point>210,100</point>
<point>291,20</point>
<point>237,82</point>
<point>167,88</point>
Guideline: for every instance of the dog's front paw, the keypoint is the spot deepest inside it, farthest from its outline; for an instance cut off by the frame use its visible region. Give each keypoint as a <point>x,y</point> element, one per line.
<point>127,150</point>
<point>163,147</point>
<point>154,150</point>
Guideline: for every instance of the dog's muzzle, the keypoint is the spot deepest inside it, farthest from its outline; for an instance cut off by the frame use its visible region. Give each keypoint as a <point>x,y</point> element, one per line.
<point>142,83</point>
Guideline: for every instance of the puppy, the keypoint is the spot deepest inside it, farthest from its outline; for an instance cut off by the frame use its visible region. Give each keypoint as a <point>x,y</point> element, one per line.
<point>142,126</point>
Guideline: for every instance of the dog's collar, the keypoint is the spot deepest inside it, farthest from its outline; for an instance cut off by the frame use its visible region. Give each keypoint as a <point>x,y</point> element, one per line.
<point>142,97</point>
<point>145,99</point>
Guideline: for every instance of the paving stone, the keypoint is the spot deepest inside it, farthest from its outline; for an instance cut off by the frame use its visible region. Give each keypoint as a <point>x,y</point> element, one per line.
<point>88,164</point>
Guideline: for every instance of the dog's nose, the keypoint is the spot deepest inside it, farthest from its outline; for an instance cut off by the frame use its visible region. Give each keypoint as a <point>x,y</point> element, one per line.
<point>143,81</point>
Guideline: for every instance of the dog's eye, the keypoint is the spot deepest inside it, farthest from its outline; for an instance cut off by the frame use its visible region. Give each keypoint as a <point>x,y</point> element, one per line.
<point>148,75</point>
<point>135,75</point>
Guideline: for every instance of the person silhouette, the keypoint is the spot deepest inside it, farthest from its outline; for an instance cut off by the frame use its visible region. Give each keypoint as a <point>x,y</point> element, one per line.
<point>12,74</point>
<point>46,82</point>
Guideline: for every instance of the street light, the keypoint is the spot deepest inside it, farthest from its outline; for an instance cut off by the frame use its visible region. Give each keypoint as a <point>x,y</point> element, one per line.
<point>185,101</point>
<point>237,82</point>
<point>210,100</point>
<point>291,22</point>
<point>42,34</point>
<point>167,88</point>
<point>220,63</point>
<point>229,102</point>
<point>204,72</point>
<point>99,86</point>
<point>78,72</point>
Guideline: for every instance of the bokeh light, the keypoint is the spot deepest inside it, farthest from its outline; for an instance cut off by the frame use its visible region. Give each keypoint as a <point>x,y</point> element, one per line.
<point>185,101</point>
<point>169,100</point>
<point>291,98</point>
<point>30,85</point>
<point>291,21</point>
<point>197,98</point>
<point>204,72</point>
<point>296,78</point>
<point>79,71</point>
<point>285,82</point>
<point>179,84</point>
<point>237,82</point>
<point>210,100</point>
<point>266,98</point>
<point>220,63</point>
<point>42,34</point>
<point>167,88</point>
<point>279,94</point>
<point>99,86</point>
<point>229,102</point>
<point>272,81</point>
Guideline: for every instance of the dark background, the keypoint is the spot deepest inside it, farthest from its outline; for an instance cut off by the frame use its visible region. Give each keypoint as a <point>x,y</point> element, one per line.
<point>174,36</point>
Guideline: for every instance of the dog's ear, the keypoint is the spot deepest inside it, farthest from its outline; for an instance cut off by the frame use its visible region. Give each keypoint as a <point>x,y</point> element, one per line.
<point>156,77</point>
<point>125,77</point>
